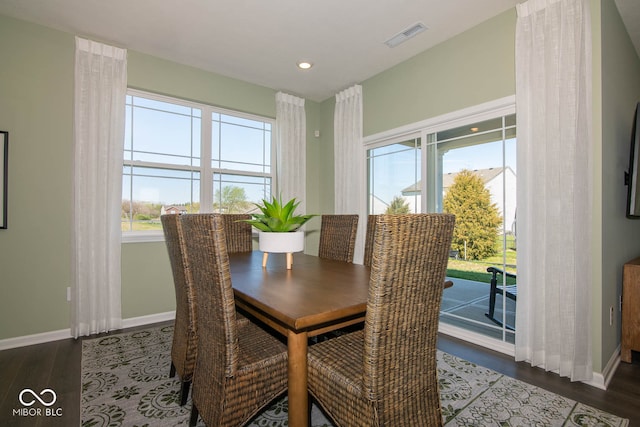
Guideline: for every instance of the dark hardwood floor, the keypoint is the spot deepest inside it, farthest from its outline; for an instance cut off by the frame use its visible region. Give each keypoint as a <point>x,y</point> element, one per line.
<point>56,366</point>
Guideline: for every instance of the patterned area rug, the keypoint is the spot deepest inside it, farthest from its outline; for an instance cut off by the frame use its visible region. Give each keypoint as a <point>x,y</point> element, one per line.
<point>125,382</point>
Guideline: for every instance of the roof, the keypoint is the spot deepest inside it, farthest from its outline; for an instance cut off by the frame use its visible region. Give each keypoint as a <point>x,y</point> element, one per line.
<point>447,179</point>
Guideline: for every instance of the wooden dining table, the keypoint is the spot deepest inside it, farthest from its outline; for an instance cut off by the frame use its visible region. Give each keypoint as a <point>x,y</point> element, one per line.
<point>314,297</point>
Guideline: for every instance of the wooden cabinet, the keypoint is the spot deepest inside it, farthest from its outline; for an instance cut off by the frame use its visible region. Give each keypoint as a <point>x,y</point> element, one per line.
<point>630,309</point>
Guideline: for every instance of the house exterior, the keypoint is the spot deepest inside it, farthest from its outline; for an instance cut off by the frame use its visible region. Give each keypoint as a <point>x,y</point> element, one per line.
<point>503,196</point>
<point>173,210</point>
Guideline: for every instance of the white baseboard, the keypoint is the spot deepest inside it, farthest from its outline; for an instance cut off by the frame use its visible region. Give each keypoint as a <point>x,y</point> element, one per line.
<point>149,319</point>
<point>26,340</point>
<point>61,334</point>
<point>602,380</point>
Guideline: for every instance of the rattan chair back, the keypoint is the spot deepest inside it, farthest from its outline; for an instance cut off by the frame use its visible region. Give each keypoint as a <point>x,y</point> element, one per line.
<point>409,264</point>
<point>238,233</point>
<point>240,368</point>
<point>368,241</point>
<point>184,346</point>
<point>338,237</point>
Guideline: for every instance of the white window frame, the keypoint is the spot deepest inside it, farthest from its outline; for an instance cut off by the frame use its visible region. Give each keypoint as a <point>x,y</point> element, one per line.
<point>205,169</point>
<point>477,113</point>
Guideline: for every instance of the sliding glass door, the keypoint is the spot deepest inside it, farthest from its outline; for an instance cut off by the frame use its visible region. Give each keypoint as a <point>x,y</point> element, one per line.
<point>468,169</point>
<point>475,164</point>
<point>394,177</point>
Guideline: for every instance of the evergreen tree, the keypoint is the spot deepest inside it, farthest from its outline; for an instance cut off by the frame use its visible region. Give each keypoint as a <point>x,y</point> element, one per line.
<point>398,206</point>
<point>477,219</point>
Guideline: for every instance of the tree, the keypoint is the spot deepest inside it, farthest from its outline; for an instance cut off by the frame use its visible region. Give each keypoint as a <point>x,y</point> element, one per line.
<point>132,209</point>
<point>192,207</point>
<point>231,199</point>
<point>398,206</point>
<point>477,219</point>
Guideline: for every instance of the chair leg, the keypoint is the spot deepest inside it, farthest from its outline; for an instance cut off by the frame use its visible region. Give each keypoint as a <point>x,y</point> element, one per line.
<point>492,301</point>
<point>184,392</point>
<point>499,323</point>
<point>492,298</point>
<point>172,370</point>
<point>492,305</point>
<point>194,416</point>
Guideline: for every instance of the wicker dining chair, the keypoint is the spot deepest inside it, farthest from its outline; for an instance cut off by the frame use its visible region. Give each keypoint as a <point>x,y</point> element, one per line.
<point>238,233</point>
<point>368,241</point>
<point>185,343</point>
<point>240,368</point>
<point>386,374</point>
<point>184,346</point>
<point>338,237</point>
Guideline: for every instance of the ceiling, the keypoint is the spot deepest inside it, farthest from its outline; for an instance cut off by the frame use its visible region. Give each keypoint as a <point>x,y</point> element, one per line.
<point>260,41</point>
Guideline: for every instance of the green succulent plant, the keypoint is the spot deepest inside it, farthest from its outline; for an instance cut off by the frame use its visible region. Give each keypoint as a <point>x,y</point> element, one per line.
<point>278,217</point>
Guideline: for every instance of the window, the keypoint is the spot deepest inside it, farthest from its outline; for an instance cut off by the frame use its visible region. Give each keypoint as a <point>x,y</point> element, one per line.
<point>181,156</point>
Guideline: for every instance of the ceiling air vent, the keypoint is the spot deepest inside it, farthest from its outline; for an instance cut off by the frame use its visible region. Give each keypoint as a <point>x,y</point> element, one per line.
<point>406,34</point>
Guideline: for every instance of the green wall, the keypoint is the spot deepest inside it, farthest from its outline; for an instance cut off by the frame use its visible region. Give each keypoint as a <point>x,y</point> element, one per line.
<point>36,107</point>
<point>620,91</point>
<point>153,74</point>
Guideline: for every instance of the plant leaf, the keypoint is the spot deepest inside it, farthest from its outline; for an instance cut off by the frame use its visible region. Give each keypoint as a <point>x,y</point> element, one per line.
<point>276,217</point>
<point>287,210</point>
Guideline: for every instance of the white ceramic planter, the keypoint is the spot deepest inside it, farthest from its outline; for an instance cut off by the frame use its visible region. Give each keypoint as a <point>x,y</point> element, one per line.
<point>281,242</point>
<point>288,243</point>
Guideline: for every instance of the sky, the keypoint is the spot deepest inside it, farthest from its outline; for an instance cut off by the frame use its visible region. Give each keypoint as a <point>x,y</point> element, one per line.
<point>397,167</point>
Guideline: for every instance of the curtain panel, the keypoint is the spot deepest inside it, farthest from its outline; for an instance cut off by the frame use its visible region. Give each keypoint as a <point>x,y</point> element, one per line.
<point>553,103</point>
<point>99,120</point>
<point>349,162</point>
<point>291,148</point>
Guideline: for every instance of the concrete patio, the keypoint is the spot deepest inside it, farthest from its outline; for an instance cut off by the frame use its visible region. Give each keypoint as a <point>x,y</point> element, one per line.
<point>465,303</point>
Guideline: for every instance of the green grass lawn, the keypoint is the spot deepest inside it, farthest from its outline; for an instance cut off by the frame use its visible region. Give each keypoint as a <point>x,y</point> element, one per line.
<point>474,272</point>
<point>477,270</point>
<point>143,225</point>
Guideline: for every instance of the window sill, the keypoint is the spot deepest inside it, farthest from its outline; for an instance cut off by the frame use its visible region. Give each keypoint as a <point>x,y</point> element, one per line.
<point>142,237</point>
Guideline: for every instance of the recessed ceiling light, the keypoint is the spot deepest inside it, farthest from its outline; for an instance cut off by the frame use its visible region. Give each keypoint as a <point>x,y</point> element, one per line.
<point>474,129</point>
<point>304,65</point>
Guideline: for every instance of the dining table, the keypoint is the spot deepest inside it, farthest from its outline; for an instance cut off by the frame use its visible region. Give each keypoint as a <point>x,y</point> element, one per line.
<point>314,297</point>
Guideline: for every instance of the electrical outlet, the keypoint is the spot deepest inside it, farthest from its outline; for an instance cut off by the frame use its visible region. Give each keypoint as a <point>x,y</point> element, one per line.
<point>68,293</point>
<point>611,316</point>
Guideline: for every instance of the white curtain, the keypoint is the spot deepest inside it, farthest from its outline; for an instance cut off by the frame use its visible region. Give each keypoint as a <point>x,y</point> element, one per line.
<point>291,148</point>
<point>99,117</point>
<point>349,162</point>
<point>553,103</point>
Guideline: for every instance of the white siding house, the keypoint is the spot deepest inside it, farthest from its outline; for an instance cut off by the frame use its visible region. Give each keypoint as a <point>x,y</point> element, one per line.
<point>501,183</point>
